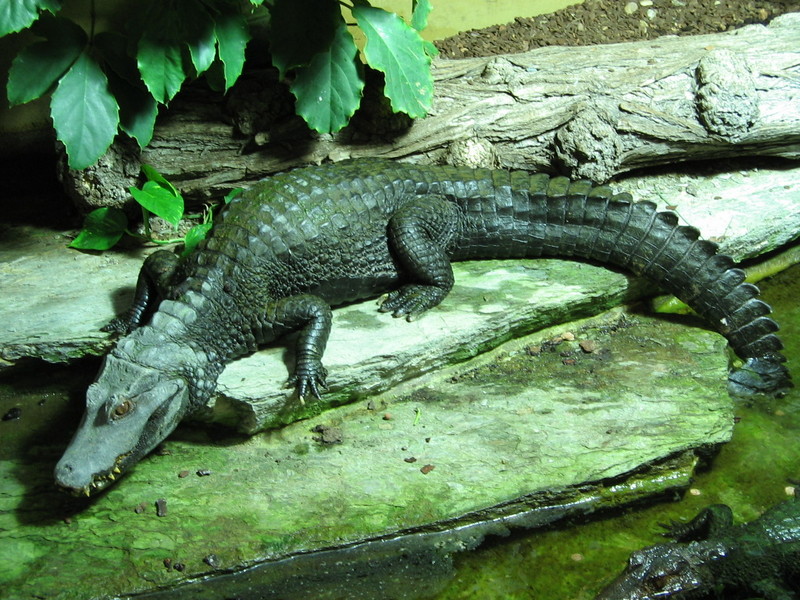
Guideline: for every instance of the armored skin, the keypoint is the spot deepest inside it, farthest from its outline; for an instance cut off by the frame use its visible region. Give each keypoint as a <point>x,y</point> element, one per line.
<point>712,558</point>
<point>295,244</point>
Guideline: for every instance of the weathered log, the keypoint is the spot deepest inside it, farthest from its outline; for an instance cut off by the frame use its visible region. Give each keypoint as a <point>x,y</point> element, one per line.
<point>588,112</point>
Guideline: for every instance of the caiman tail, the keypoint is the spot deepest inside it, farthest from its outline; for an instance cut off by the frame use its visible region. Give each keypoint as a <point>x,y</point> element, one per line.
<point>559,217</point>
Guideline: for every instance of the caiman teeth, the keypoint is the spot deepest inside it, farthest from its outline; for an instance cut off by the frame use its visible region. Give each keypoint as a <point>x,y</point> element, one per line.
<point>117,470</point>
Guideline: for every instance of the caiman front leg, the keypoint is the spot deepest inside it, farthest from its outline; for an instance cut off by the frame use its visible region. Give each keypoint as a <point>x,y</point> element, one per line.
<point>311,317</point>
<point>419,234</point>
<point>155,278</point>
<point>708,523</point>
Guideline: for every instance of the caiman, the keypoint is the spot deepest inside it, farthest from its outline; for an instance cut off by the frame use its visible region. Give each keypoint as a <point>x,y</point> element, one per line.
<point>712,558</point>
<point>295,244</point>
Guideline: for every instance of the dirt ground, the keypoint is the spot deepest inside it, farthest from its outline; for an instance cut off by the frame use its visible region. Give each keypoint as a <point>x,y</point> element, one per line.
<point>608,21</point>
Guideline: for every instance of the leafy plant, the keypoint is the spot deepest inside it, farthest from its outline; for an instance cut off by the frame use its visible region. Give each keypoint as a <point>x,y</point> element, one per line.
<point>112,81</point>
<point>104,227</point>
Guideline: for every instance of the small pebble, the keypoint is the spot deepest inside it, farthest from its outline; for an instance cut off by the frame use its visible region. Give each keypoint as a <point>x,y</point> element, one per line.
<point>183,474</point>
<point>695,492</point>
<point>212,560</point>
<point>427,469</point>
<point>410,459</point>
<point>387,417</point>
<point>161,507</point>
<point>203,472</point>
<point>631,7</point>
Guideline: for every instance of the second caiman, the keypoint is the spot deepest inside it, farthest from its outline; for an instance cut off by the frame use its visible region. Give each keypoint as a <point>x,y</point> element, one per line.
<point>713,558</point>
<point>295,244</point>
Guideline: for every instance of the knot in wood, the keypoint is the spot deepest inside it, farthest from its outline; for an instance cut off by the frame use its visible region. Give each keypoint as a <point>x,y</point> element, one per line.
<point>588,146</point>
<point>472,152</point>
<point>498,70</point>
<point>726,98</point>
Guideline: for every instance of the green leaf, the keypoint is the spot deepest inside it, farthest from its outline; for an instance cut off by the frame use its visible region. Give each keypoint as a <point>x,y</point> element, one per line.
<point>113,47</point>
<point>234,193</point>
<point>419,14</point>
<point>153,175</point>
<point>16,15</point>
<point>397,50</point>
<point>85,114</point>
<point>38,67</point>
<point>161,66</point>
<point>159,201</point>
<point>215,76</point>
<point>137,109</point>
<point>300,29</point>
<point>163,45</point>
<point>430,49</point>
<point>198,28</point>
<point>102,228</point>
<point>328,90</point>
<point>232,37</point>
<point>194,236</point>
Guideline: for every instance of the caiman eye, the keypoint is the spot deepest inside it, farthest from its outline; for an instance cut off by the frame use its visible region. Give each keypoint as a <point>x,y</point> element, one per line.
<point>122,409</point>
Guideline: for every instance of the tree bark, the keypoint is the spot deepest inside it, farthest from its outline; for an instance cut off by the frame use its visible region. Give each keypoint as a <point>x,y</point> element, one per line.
<point>588,112</point>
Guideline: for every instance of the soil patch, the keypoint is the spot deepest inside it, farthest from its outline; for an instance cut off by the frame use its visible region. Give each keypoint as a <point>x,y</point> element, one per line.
<point>609,21</point>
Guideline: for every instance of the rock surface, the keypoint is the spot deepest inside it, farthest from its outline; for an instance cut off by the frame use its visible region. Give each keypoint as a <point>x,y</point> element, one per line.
<point>524,439</point>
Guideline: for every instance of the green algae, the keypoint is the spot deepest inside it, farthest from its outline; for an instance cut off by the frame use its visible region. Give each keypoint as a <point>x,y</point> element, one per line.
<point>751,473</point>
<point>467,455</point>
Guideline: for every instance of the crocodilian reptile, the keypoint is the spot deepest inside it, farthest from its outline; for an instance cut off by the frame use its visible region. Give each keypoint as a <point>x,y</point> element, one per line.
<point>294,244</point>
<point>713,558</point>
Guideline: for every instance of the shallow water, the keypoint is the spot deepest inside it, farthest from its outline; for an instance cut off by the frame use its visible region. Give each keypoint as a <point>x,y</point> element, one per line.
<point>750,473</point>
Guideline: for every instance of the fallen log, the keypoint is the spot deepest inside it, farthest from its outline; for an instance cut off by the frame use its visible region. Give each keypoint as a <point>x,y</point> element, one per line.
<point>590,112</point>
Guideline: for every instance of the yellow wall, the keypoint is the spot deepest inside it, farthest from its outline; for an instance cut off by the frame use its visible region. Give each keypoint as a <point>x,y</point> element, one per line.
<point>452,16</point>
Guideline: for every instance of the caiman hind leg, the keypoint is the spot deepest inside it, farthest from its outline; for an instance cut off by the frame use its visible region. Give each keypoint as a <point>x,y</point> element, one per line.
<point>419,234</point>
<point>311,317</point>
<point>155,278</point>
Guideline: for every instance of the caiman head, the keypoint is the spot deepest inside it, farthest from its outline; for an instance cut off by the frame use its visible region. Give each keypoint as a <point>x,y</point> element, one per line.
<point>131,407</point>
<point>672,571</point>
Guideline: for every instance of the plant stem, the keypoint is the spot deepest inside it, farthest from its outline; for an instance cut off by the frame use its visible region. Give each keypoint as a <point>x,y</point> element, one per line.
<point>92,18</point>
<point>146,222</point>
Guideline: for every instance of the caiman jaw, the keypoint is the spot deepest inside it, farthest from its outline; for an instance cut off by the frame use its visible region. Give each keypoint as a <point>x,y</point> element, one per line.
<point>100,481</point>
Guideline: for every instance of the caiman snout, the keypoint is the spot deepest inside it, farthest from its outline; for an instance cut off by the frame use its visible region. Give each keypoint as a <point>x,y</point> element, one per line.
<point>129,410</point>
